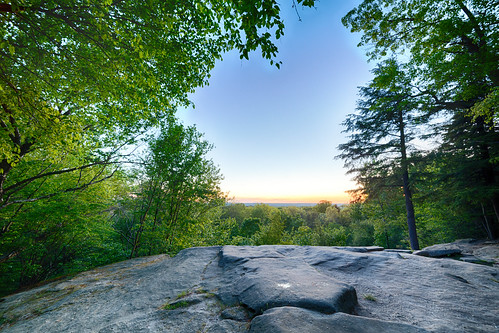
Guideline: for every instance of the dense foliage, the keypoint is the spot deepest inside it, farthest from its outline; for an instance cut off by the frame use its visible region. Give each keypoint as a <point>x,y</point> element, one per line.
<point>81,82</point>
<point>380,223</point>
<point>439,67</point>
<point>176,189</point>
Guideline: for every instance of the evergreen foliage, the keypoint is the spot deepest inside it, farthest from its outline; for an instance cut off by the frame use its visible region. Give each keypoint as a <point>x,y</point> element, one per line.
<point>450,55</point>
<point>82,81</point>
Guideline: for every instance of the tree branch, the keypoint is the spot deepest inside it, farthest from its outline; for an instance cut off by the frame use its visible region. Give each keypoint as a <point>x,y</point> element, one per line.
<point>11,255</point>
<point>8,8</point>
<point>58,172</point>
<point>73,189</point>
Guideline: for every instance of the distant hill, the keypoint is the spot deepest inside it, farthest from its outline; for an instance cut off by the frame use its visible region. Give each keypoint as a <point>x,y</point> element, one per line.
<point>281,204</point>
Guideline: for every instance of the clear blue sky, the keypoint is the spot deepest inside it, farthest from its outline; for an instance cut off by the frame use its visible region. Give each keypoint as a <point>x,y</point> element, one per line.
<point>276,131</point>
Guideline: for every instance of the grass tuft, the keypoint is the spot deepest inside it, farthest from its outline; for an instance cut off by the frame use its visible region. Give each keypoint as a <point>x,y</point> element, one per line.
<point>183,299</point>
<point>176,305</point>
<point>370,297</point>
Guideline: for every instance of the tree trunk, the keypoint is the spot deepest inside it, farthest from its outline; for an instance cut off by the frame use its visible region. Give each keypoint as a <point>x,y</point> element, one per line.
<point>409,207</point>
<point>385,227</point>
<point>136,240</point>
<point>494,225</point>
<point>411,219</point>
<point>486,224</point>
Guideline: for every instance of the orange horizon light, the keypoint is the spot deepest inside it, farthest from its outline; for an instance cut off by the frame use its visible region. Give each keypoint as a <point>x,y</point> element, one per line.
<point>335,199</point>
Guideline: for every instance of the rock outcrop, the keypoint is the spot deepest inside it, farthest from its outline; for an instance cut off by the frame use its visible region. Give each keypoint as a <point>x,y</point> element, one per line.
<point>469,250</point>
<point>266,289</point>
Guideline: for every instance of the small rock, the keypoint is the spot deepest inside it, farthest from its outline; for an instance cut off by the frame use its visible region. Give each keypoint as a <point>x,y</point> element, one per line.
<point>296,320</point>
<point>438,251</point>
<point>361,249</point>
<point>374,248</point>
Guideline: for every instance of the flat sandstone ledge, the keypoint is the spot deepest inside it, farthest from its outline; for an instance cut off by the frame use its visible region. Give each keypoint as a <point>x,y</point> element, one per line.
<point>269,288</point>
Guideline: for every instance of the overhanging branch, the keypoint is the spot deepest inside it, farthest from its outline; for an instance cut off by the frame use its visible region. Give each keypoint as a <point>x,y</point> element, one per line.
<point>15,186</point>
<point>47,196</point>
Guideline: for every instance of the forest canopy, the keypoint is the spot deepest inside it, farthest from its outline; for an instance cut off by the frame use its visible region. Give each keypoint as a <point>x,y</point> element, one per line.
<point>80,82</point>
<point>95,167</point>
<point>437,78</point>
<point>79,74</point>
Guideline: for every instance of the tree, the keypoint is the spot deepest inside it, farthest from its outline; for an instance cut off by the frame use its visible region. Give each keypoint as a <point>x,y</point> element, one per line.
<point>452,52</point>
<point>381,136</point>
<point>463,170</point>
<point>95,73</point>
<point>179,185</point>
<point>271,232</point>
<point>448,43</point>
<point>236,211</point>
<point>56,237</point>
<point>22,212</point>
<point>322,206</point>
<point>249,227</point>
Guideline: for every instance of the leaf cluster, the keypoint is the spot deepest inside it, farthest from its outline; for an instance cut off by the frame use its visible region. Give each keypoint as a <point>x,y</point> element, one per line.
<point>449,76</point>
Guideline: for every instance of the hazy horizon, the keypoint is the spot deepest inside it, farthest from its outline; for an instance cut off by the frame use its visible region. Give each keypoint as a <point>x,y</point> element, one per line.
<point>281,204</point>
<point>304,201</point>
<point>276,131</point>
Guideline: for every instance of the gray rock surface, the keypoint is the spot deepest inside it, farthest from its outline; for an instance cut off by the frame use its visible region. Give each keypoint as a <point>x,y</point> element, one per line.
<point>438,252</point>
<point>469,250</point>
<point>296,320</point>
<point>266,289</point>
<point>267,277</point>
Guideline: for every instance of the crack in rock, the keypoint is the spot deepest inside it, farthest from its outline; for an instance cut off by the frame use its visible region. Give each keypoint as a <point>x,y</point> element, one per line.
<point>268,289</point>
<point>285,280</point>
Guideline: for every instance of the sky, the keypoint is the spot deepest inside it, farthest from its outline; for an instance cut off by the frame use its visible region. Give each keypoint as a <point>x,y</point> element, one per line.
<point>276,131</point>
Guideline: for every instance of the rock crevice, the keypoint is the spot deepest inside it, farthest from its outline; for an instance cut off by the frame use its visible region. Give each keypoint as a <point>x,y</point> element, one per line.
<point>267,289</point>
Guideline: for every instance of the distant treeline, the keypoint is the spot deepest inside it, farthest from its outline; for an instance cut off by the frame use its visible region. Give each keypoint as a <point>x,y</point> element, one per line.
<point>82,88</point>
<point>355,224</point>
<point>79,234</point>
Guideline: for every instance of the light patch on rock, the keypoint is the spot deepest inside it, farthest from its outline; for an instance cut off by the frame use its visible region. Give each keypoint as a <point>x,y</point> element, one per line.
<point>284,285</point>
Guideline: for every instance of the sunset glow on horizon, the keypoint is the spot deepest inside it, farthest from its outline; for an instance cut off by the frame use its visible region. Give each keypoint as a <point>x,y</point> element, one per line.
<point>276,131</point>
<point>307,189</point>
<point>334,199</point>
